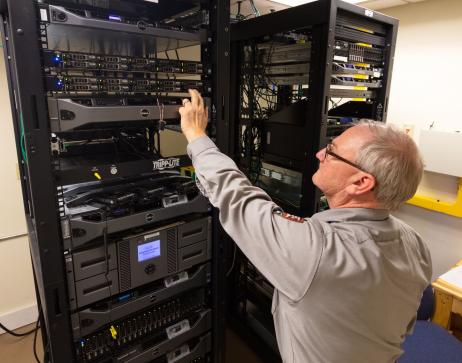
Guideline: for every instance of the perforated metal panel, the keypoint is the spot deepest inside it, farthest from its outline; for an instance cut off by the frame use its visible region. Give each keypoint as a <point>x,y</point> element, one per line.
<point>171,250</point>
<point>124,265</point>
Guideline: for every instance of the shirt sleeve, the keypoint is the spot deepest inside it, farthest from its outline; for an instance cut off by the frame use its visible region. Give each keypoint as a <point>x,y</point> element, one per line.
<point>287,252</point>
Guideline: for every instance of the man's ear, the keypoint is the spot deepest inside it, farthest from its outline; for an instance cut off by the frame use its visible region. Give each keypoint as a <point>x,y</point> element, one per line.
<point>361,184</point>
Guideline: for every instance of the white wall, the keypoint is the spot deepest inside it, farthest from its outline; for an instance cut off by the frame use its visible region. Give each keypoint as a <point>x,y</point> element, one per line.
<point>17,301</point>
<point>425,89</point>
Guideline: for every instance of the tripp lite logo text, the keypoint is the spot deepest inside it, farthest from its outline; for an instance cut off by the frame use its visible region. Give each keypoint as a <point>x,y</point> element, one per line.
<point>165,163</point>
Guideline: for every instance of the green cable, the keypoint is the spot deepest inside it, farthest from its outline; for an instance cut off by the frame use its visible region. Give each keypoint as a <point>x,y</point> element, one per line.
<point>22,138</point>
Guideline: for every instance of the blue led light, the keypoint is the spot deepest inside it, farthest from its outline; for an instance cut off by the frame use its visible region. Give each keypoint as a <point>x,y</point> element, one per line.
<point>115,17</point>
<point>57,59</point>
<point>124,297</point>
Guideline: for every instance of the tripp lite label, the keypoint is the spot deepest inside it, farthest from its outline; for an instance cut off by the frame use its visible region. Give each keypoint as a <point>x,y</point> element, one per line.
<point>166,163</point>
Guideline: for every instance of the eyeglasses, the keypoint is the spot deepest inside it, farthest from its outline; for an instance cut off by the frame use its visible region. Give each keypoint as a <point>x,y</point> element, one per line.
<point>329,151</point>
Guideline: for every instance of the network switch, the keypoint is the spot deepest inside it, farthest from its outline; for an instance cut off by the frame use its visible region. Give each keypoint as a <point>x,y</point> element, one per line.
<point>352,82</point>
<point>288,80</point>
<point>351,93</point>
<point>299,68</point>
<point>352,69</point>
<point>350,52</point>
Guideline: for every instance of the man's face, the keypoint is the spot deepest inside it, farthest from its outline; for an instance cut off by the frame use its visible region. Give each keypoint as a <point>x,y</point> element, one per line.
<point>334,175</point>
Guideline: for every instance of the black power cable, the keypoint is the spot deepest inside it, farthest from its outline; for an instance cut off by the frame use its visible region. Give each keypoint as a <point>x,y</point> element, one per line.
<point>35,341</point>
<point>18,334</point>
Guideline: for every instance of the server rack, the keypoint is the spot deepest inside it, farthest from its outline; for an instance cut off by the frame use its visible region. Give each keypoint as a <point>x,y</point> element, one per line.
<point>72,73</point>
<point>299,77</point>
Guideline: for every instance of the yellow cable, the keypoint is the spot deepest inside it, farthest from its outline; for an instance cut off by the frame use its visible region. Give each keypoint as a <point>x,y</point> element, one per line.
<point>113,331</point>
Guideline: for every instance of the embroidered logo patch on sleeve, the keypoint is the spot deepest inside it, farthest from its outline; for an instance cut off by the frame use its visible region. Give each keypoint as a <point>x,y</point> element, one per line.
<point>292,218</point>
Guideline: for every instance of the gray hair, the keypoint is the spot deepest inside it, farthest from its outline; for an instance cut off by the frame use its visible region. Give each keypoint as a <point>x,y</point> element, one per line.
<point>393,158</point>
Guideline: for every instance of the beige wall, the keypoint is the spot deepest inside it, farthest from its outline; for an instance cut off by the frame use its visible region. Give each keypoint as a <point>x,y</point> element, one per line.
<point>425,89</point>
<point>17,302</point>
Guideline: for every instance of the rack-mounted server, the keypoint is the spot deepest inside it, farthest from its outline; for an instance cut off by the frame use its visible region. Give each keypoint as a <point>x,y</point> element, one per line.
<point>299,77</point>
<point>126,252</point>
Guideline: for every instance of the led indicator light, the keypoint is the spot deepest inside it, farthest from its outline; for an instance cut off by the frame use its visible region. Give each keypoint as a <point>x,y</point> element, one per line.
<point>115,17</point>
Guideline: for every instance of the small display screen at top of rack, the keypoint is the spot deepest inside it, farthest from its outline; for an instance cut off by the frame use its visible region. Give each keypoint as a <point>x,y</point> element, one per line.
<point>148,250</point>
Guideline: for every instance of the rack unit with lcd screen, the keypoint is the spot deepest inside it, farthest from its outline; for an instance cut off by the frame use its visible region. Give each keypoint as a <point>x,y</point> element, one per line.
<point>126,252</point>
<point>299,77</point>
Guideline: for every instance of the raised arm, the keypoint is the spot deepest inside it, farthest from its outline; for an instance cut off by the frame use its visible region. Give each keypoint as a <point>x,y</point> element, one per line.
<point>287,252</point>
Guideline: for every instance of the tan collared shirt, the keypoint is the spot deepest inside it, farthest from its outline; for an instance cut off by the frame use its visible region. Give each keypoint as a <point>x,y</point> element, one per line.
<point>348,282</point>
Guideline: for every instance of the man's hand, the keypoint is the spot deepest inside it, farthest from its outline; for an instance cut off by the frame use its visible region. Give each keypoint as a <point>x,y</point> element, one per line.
<point>194,116</point>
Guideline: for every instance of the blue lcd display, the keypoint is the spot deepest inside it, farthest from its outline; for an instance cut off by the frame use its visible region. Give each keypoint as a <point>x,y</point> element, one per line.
<point>148,250</point>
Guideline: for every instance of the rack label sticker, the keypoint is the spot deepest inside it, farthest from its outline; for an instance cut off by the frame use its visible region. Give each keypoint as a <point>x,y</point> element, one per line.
<point>176,279</point>
<point>178,354</point>
<point>151,235</point>
<point>44,14</point>
<point>369,13</point>
<point>177,329</point>
<point>340,58</point>
<point>165,163</point>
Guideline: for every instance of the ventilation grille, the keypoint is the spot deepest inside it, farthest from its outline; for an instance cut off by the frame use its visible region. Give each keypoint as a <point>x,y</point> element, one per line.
<point>171,250</point>
<point>124,265</point>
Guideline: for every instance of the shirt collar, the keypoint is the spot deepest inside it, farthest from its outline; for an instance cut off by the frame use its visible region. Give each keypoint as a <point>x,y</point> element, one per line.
<point>352,214</point>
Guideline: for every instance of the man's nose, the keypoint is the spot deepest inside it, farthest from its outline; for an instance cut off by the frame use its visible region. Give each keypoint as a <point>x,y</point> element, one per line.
<point>321,154</point>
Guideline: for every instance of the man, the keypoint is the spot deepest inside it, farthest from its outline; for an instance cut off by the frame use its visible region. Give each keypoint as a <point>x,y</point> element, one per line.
<point>348,281</point>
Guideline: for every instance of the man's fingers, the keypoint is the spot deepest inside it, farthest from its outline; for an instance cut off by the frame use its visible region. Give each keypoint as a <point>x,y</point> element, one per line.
<point>194,97</point>
<point>201,100</point>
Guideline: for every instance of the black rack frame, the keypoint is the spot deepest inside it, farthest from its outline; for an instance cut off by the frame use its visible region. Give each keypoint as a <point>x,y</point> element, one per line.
<point>321,16</point>
<point>20,34</point>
